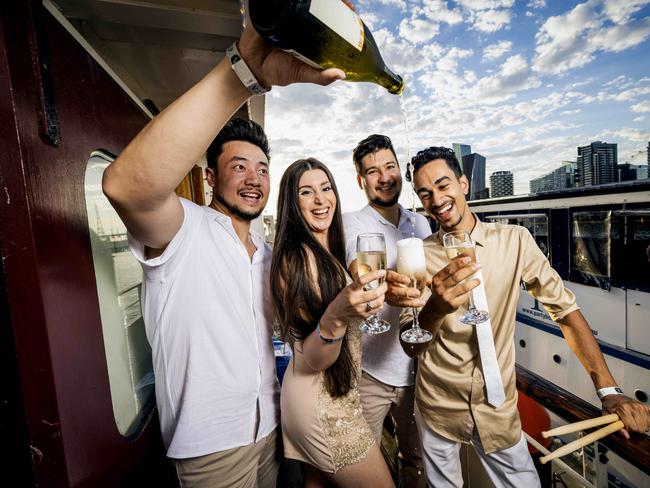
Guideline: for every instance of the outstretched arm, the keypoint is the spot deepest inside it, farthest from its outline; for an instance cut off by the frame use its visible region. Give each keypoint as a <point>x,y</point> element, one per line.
<point>578,334</point>
<point>140,183</point>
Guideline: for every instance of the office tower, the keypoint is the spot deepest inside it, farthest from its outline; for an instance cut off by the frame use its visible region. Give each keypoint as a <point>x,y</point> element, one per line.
<point>557,180</point>
<point>501,184</point>
<point>625,172</point>
<point>461,150</point>
<point>597,164</point>
<point>474,169</point>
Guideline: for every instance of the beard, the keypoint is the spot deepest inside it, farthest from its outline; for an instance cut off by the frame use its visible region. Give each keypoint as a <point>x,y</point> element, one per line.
<point>385,203</point>
<point>238,211</point>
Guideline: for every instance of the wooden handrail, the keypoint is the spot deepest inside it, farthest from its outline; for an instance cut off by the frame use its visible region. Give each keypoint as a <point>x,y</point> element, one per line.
<point>573,409</point>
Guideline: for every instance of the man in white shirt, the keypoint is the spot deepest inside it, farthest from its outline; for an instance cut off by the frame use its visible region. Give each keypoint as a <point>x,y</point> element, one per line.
<point>206,305</point>
<point>387,383</point>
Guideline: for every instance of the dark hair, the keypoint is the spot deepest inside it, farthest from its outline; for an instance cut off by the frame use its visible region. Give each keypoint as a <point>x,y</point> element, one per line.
<point>370,145</point>
<point>237,130</point>
<point>431,154</point>
<point>299,302</point>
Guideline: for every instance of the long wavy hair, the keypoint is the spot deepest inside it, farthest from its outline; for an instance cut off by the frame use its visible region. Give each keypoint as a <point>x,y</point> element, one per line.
<point>299,302</point>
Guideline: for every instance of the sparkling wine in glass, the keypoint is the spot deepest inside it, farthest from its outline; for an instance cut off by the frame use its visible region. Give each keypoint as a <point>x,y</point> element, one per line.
<point>371,256</point>
<point>459,244</point>
<point>411,262</point>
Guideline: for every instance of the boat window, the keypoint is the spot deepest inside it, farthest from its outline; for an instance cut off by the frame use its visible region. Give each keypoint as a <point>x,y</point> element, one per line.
<point>590,248</point>
<point>631,249</point>
<point>118,278</point>
<point>537,225</point>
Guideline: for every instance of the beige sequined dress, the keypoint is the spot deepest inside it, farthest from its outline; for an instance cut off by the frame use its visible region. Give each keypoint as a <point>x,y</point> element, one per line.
<point>328,433</point>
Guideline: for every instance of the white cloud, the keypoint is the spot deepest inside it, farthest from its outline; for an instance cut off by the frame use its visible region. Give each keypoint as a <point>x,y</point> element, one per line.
<point>639,119</point>
<point>418,30</point>
<point>515,75</point>
<point>495,51</point>
<point>491,20</point>
<point>573,39</point>
<point>641,107</point>
<point>486,4</point>
<point>622,10</point>
<point>536,4</point>
<point>439,10</point>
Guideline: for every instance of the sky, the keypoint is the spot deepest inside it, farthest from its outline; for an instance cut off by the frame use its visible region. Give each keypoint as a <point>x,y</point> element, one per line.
<point>523,82</point>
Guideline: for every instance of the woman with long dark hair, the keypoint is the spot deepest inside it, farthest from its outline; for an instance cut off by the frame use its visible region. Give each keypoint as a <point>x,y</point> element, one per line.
<point>319,308</point>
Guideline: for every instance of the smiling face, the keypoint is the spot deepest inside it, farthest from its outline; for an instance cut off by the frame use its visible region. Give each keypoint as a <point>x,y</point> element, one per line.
<point>241,182</point>
<point>317,201</point>
<point>443,195</point>
<point>380,178</point>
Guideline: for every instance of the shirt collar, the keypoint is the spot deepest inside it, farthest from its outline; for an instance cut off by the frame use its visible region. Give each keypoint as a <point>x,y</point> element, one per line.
<point>372,212</point>
<point>226,221</point>
<point>477,234</point>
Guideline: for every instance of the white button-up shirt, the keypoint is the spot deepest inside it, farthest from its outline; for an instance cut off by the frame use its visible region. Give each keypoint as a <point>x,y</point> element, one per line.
<point>383,357</point>
<point>208,315</point>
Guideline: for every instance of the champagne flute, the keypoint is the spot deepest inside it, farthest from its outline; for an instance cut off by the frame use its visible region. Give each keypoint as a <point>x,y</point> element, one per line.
<point>411,262</point>
<point>459,244</point>
<point>371,256</point>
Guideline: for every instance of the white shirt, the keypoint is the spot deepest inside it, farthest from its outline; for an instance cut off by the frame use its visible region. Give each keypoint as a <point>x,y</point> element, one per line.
<point>208,315</point>
<point>383,357</point>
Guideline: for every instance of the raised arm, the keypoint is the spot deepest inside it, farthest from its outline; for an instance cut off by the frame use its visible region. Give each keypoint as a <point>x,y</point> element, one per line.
<point>450,289</point>
<point>140,183</point>
<point>350,305</point>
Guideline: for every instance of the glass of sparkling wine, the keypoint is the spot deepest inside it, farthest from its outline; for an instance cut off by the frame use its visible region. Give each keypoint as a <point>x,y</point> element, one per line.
<point>371,256</point>
<point>459,244</point>
<point>411,262</point>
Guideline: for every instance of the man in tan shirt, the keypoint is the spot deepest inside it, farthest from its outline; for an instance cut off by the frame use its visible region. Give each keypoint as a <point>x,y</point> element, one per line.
<point>451,404</point>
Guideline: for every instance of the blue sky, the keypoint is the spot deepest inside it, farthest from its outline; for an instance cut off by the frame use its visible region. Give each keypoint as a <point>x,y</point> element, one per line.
<point>523,82</point>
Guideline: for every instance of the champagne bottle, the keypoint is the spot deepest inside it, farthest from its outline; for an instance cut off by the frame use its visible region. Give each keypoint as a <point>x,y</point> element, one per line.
<point>324,34</point>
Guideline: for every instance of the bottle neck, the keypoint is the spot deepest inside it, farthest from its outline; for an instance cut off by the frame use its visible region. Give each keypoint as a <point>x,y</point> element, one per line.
<point>392,82</point>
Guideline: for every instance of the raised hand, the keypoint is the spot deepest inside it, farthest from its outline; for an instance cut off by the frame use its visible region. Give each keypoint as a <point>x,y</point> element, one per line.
<point>356,302</point>
<point>400,293</point>
<point>272,66</point>
<point>450,286</point>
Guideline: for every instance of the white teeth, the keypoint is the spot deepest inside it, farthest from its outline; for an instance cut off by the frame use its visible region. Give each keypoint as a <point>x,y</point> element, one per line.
<point>250,195</point>
<point>444,209</point>
<point>320,212</point>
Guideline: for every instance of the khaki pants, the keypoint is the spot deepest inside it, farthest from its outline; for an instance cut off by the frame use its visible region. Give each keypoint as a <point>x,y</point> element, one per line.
<point>253,466</point>
<point>379,400</point>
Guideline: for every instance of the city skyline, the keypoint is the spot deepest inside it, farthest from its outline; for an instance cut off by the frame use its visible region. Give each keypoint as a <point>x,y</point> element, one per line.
<point>523,83</point>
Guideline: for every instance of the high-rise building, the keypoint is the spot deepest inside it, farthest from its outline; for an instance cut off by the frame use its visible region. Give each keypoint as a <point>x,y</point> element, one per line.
<point>648,153</point>
<point>474,169</point>
<point>461,150</point>
<point>632,172</point>
<point>558,179</point>
<point>625,172</point>
<point>597,164</point>
<point>501,184</point>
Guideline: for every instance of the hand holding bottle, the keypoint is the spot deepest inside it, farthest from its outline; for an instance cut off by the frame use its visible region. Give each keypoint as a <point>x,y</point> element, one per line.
<point>273,66</point>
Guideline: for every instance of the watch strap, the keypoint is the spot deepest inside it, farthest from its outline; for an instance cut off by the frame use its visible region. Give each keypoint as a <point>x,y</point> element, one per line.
<point>610,390</point>
<point>243,72</point>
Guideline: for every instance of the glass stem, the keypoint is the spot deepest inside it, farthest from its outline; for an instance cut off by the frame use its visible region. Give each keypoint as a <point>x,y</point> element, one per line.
<point>416,322</point>
<point>471,301</point>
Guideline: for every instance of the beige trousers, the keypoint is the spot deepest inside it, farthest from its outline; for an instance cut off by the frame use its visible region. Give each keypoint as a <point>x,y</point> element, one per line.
<point>378,400</point>
<point>253,466</point>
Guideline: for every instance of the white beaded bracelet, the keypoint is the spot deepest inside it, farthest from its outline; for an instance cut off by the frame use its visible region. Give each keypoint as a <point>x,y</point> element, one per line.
<point>243,72</point>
